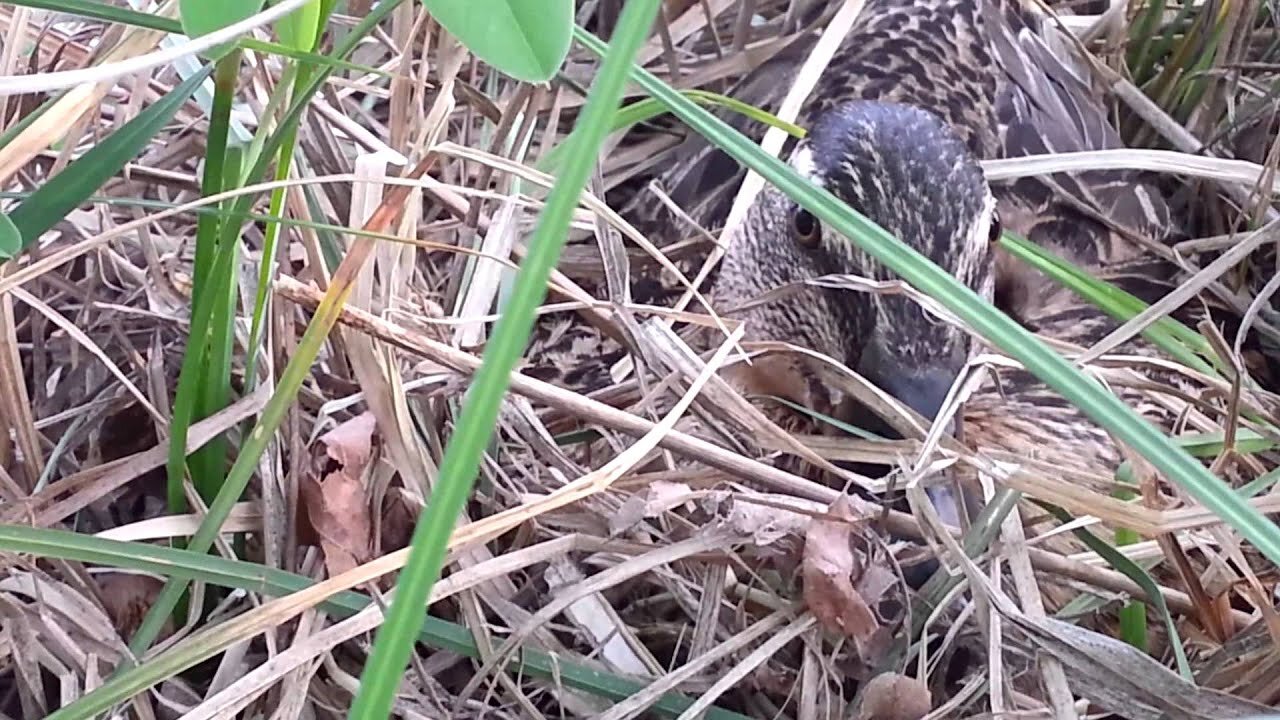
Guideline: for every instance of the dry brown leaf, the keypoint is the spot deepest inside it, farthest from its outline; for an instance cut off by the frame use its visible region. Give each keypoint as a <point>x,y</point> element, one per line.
<point>829,568</point>
<point>337,506</point>
<point>351,443</point>
<point>127,598</point>
<point>890,696</point>
<point>339,513</point>
<point>843,582</point>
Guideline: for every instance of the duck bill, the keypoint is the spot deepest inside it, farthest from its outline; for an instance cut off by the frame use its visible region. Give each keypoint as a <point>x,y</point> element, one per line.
<point>925,390</point>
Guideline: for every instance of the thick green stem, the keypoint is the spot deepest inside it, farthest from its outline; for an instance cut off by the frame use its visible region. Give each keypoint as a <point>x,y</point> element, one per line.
<point>211,459</point>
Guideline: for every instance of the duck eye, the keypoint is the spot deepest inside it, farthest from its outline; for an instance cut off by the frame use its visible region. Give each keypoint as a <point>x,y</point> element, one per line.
<point>805,228</point>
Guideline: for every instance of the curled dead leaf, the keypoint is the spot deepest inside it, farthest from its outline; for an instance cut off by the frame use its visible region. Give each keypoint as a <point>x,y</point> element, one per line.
<point>351,443</point>
<point>845,580</point>
<point>336,507</point>
<point>829,567</point>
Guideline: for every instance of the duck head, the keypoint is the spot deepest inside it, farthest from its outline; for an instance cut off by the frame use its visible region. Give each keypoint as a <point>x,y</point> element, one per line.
<point>907,171</point>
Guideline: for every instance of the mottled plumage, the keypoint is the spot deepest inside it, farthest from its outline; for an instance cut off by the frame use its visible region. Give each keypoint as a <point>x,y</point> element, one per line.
<point>1025,417</point>
<point>904,168</point>
<point>933,54</point>
<point>1019,414</point>
<point>1045,105</point>
<point>917,95</point>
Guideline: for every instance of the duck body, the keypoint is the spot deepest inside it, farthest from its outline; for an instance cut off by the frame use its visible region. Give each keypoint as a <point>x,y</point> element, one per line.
<point>916,96</point>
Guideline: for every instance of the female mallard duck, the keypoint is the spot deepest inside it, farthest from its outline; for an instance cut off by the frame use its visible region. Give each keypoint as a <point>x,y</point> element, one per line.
<point>976,66</point>
<point>918,94</point>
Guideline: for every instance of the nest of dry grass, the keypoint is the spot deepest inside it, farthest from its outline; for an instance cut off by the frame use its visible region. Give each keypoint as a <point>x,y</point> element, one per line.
<point>598,539</point>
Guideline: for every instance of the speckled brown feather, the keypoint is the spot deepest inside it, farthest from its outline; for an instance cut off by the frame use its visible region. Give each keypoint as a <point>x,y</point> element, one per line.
<point>1025,417</point>
<point>929,54</point>
<point>994,111</point>
<point>977,65</point>
<point>1044,105</point>
<point>933,54</point>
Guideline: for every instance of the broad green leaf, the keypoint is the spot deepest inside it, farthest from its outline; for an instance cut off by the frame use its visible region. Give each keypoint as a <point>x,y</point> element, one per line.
<point>526,39</point>
<point>10,238</point>
<point>300,28</point>
<point>201,17</point>
<point>81,179</point>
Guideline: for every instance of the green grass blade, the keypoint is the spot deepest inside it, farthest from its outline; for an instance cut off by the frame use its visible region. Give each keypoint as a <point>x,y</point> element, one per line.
<point>1095,401</point>
<point>648,109</point>
<point>840,425</point>
<point>1133,615</point>
<point>10,238</point>
<point>93,10</point>
<point>301,31</point>
<point>266,269</point>
<point>1141,38</point>
<point>475,427</point>
<point>1181,342</point>
<point>216,570</point>
<point>290,380</point>
<point>214,180</point>
<point>1211,444</point>
<point>65,191</point>
<point>1261,484</point>
<point>26,120</point>
<point>1134,572</point>
<point>221,168</point>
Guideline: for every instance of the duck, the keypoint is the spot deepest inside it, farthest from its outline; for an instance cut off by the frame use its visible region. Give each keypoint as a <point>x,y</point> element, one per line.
<point>918,95</point>
<point>990,78</point>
